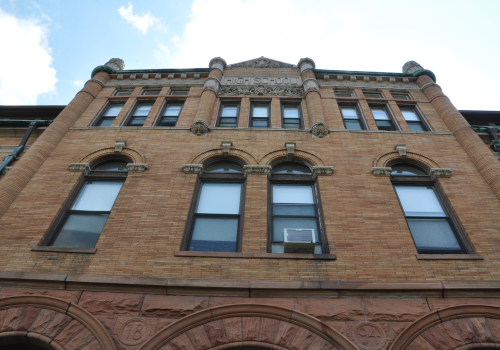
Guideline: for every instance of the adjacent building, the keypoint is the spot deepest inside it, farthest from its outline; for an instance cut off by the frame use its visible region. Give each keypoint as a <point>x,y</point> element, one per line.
<point>256,205</point>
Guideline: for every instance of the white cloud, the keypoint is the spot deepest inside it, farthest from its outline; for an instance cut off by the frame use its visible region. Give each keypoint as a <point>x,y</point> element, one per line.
<point>140,22</point>
<point>25,60</point>
<point>77,83</point>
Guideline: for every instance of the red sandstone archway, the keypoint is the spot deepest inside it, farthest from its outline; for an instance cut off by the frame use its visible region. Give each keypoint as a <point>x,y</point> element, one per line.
<point>50,323</point>
<point>459,328</point>
<point>250,326</point>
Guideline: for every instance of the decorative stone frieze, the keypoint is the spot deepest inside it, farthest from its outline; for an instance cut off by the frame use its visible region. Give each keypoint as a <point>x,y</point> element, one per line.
<point>81,167</point>
<point>319,129</point>
<point>261,90</point>
<point>145,76</point>
<point>226,146</point>
<point>261,62</point>
<point>116,64</point>
<point>310,84</point>
<point>133,76</point>
<point>323,170</point>
<point>381,171</point>
<point>239,80</point>
<point>353,84</point>
<point>411,67</point>
<point>119,145</point>
<point>192,168</point>
<point>171,76</point>
<point>401,148</point>
<point>183,76</point>
<point>158,76</point>
<point>326,77</point>
<point>441,172</point>
<point>212,83</point>
<point>136,167</point>
<point>199,128</point>
<point>306,63</point>
<point>119,77</point>
<point>257,169</point>
<point>290,149</point>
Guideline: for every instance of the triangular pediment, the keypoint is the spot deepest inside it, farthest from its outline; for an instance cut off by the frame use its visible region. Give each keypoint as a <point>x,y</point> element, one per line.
<point>261,62</point>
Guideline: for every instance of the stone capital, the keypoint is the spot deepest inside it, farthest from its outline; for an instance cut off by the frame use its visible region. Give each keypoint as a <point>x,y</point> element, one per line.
<point>217,62</point>
<point>306,63</point>
<point>310,84</point>
<point>212,83</point>
<point>116,64</point>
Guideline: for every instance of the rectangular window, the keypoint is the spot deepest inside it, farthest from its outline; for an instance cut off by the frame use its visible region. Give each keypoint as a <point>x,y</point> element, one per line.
<point>109,116</point>
<point>87,216</point>
<point>228,114</point>
<point>351,116</point>
<point>152,92</point>
<point>291,116</point>
<point>170,114</point>
<point>401,96</point>
<point>382,118</point>
<point>373,94</point>
<point>293,207</point>
<point>217,218</point>
<point>140,114</point>
<point>259,115</point>
<point>179,92</point>
<point>429,225</point>
<point>345,93</point>
<point>413,119</point>
<point>123,93</point>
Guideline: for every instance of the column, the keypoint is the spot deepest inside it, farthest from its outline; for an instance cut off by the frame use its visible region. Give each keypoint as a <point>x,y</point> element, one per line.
<point>200,126</point>
<point>478,152</point>
<point>17,178</point>
<point>313,98</point>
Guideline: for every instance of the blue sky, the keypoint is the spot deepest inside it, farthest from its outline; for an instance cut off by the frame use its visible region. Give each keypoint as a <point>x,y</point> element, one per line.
<point>54,45</point>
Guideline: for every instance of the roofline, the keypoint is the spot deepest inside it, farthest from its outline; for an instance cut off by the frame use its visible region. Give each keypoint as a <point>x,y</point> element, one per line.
<point>352,72</point>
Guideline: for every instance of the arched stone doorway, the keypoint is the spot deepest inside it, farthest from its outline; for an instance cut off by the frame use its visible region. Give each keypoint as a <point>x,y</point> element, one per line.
<point>39,322</point>
<point>248,326</point>
<point>454,328</point>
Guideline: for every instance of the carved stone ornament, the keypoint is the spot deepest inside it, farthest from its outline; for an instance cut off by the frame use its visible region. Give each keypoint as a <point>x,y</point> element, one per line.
<point>192,168</point>
<point>171,76</point>
<point>119,145</point>
<point>257,169</point>
<point>319,129</point>
<point>134,331</point>
<point>306,63</point>
<point>116,64</point>
<point>323,170</point>
<point>310,84</point>
<point>145,76</point>
<point>136,167</point>
<point>83,167</point>
<point>441,172</point>
<point>261,90</point>
<point>261,62</point>
<point>369,336</point>
<point>381,171</point>
<point>340,77</point>
<point>217,62</point>
<point>392,80</point>
<point>401,148</point>
<point>326,77</point>
<point>379,79</point>
<point>196,76</point>
<point>119,77</point>
<point>133,76</point>
<point>353,78</point>
<point>199,128</point>
<point>406,80</point>
<point>411,67</point>
<point>226,146</point>
<point>183,76</point>
<point>158,76</point>
<point>290,149</point>
<point>366,79</point>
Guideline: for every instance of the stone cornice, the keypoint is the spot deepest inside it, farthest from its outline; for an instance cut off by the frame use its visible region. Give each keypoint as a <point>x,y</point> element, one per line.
<point>370,85</point>
<point>155,83</point>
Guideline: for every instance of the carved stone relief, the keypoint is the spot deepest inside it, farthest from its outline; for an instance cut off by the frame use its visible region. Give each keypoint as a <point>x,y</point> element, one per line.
<point>261,80</point>
<point>371,85</point>
<point>199,128</point>
<point>134,331</point>
<point>261,90</point>
<point>261,62</point>
<point>319,129</point>
<point>369,336</point>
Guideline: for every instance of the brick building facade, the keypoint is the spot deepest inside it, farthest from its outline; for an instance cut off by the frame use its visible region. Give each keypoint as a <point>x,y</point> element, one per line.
<point>152,214</point>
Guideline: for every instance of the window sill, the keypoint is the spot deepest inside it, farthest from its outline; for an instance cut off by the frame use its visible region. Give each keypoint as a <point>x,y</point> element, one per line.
<point>243,255</point>
<point>40,248</point>
<point>449,257</point>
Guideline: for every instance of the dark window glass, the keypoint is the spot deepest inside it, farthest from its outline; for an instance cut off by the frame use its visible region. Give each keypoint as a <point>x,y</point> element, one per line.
<point>140,114</point>
<point>229,115</point>
<point>109,116</point>
<point>351,118</point>
<point>412,119</point>
<point>225,168</point>
<point>344,94</point>
<point>382,119</point>
<point>151,92</point>
<point>179,92</point>
<point>291,117</point>
<point>260,115</point>
<point>401,96</point>
<point>373,95</point>
<point>112,166</point>
<point>291,169</point>
<point>171,114</point>
<point>217,217</point>
<point>405,169</point>
<point>123,93</point>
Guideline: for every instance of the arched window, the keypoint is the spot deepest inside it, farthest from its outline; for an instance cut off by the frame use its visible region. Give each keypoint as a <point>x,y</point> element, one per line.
<point>433,226</point>
<point>295,210</point>
<point>216,216</point>
<point>84,216</point>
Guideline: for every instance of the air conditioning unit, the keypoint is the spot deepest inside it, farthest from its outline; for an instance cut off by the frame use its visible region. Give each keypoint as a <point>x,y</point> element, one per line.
<point>299,240</point>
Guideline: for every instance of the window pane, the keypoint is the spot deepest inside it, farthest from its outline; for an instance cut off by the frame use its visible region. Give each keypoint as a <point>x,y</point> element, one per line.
<point>229,111</point>
<point>228,122</point>
<point>123,93</point>
<point>106,121</point>
<point>400,96</point>
<point>219,199</point>
<point>419,201</point>
<point>294,209</point>
<point>137,121</point>
<point>142,109</point>
<point>379,113</point>
<point>214,235</point>
<point>173,110</point>
<point>291,112</point>
<point>151,92</point>
<point>168,121</point>
<point>98,196</point>
<point>385,125</point>
<point>225,167</point>
<point>291,124</point>
<point>179,92</point>
<point>416,126</point>
<point>279,225</point>
<point>113,110</point>
<point>403,169</point>
<point>292,194</point>
<point>291,169</point>
<point>410,115</point>
<point>349,112</point>
<point>343,94</point>
<point>352,124</point>
<point>81,230</point>
<point>260,111</point>
<point>120,166</point>
<point>372,95</point>
<point>433,234</point>
<point>259,123</point>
